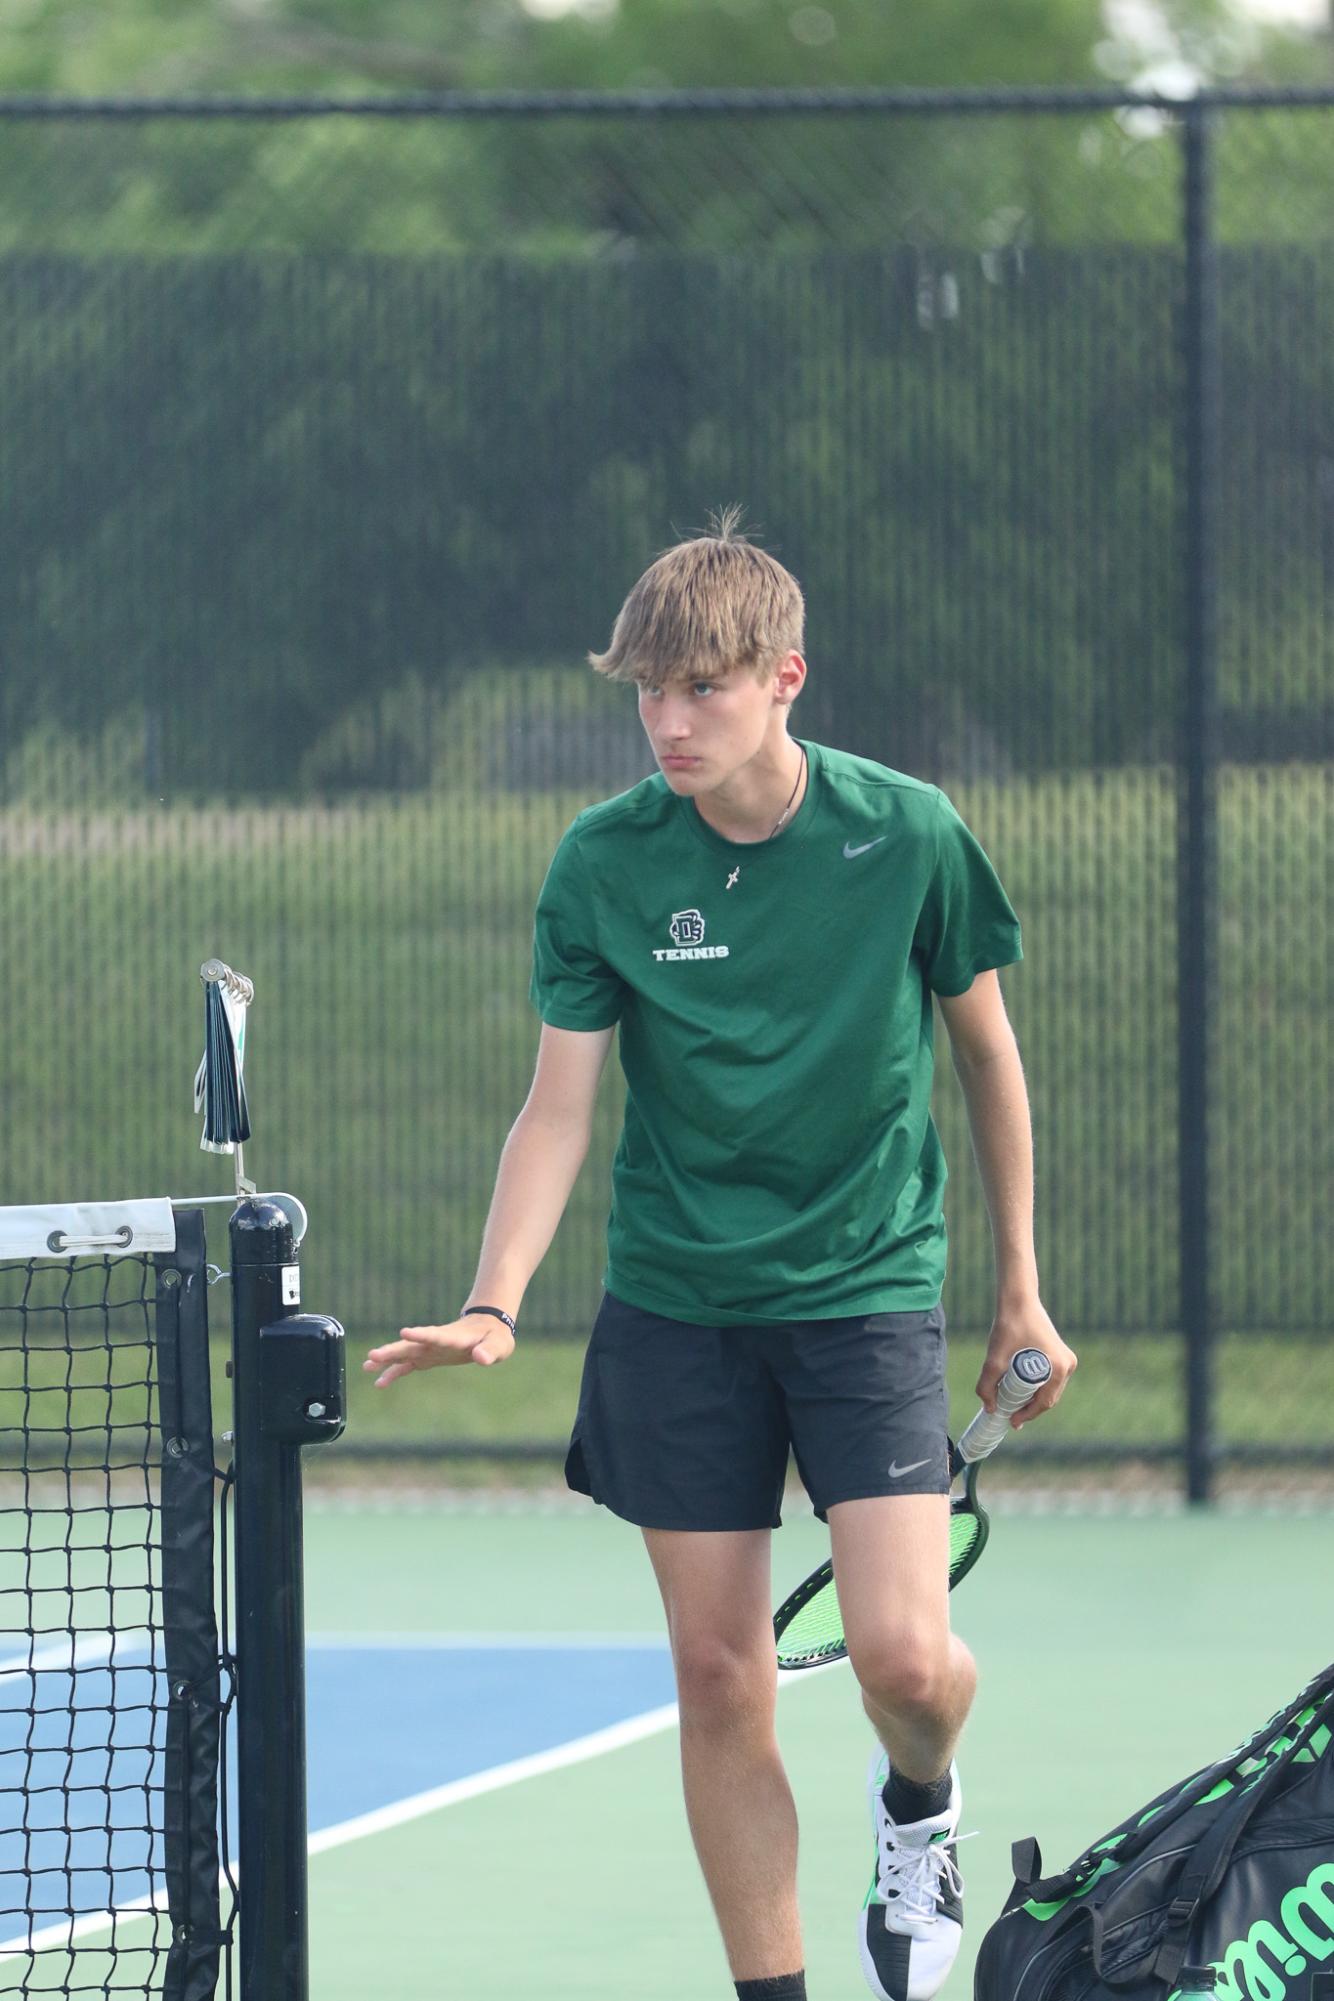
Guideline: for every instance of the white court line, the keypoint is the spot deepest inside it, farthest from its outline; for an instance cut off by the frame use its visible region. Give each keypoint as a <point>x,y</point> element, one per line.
<point>52,1937</point>
<point>491,1642</point>
<point>598,1742</point>
<point>79,1650</point>
<point>650,1723</point>
<point>89,1648</point>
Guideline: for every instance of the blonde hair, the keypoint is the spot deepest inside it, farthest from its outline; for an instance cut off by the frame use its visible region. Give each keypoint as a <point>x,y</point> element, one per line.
<point>703,607</point>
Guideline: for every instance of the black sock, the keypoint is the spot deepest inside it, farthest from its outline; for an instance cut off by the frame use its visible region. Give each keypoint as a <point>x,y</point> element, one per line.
<point>779,1987</point>
<point>906,1801</point>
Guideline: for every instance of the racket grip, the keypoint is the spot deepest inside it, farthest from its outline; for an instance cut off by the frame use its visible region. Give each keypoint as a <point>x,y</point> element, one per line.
<point>1027,1373</point>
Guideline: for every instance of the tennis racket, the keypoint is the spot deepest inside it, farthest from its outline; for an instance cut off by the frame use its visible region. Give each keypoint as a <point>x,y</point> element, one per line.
<point>808,1626</point>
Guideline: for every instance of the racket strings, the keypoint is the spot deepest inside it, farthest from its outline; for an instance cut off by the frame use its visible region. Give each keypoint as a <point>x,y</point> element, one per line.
<point>814,1634</point>
<point>967,1534</point>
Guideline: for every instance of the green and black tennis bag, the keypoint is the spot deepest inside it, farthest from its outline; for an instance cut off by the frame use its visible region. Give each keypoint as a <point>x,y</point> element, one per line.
<point>1223,1885</point>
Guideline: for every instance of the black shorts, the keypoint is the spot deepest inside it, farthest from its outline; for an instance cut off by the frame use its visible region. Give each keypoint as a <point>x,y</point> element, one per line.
<point>685,1427</point>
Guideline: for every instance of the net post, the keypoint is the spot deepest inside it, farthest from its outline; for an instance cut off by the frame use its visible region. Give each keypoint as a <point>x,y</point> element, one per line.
<point>287,1391</point>
<point>1198,795</point>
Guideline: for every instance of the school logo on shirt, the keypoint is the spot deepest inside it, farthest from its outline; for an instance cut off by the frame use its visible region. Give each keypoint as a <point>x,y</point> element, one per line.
<point>687,935</point>
<point>687,928</point>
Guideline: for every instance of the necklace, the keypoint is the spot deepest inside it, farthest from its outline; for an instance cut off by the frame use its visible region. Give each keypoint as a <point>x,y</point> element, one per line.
<point>780,822</point>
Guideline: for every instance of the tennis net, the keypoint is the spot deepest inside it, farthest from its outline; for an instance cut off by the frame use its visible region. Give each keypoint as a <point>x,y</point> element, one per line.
<point>109,1656</point>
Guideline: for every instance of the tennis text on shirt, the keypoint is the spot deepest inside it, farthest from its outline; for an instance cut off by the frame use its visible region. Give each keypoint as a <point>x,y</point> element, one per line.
<point>778,1160</point>
<point>687,930</point>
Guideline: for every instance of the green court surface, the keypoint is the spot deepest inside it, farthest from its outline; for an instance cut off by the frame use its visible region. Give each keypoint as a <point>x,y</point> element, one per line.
<point>1117,1653</point>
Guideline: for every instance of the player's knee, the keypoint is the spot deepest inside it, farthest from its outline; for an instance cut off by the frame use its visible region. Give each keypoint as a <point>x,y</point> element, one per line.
<point>906,1673</point>
<point>719,1683</point>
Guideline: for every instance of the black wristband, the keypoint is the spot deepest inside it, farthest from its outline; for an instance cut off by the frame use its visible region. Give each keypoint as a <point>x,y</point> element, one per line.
<point>498,1314</point>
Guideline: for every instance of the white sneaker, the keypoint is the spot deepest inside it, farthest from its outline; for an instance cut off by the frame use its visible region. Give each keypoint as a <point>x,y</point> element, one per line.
<point>912,1920</point>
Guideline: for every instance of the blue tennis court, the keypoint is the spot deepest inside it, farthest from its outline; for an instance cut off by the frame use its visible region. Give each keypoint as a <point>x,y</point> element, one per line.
<point>82,1733</point>
<point>458,1709</point>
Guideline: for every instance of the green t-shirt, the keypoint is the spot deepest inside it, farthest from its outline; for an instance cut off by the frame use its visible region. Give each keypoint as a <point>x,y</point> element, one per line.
<point>778,1160</point>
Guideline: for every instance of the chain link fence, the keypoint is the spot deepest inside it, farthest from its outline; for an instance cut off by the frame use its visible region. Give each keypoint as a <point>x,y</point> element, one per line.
<point>333,437</point>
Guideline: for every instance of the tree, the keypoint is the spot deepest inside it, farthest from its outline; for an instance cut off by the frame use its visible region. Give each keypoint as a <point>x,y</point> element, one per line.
<point>345,46</point>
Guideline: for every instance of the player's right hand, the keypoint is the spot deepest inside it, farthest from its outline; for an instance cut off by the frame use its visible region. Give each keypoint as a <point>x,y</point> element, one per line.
<point>475,1338</point>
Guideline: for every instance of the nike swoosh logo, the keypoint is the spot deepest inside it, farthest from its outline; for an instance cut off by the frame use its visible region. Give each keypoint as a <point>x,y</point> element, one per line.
<point>896,1472</point>
<point>851,853</point>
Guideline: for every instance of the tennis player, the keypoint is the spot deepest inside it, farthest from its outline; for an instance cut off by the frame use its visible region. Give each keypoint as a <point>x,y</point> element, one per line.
<point>766,921</point>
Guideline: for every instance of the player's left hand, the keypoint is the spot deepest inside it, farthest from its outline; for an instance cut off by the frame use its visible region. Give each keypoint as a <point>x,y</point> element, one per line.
<point>1025,1326</point>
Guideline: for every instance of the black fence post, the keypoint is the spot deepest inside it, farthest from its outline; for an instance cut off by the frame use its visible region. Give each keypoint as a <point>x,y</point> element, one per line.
<point>287,1391</point>
<point>1197,818</point>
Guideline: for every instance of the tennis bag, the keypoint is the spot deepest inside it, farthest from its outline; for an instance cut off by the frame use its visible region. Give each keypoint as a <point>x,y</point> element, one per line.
<point>1223,1885</point>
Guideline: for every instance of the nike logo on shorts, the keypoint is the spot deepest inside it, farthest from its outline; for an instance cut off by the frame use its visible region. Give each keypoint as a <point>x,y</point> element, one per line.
<point>896,1472</point>
<point>850,853</point>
